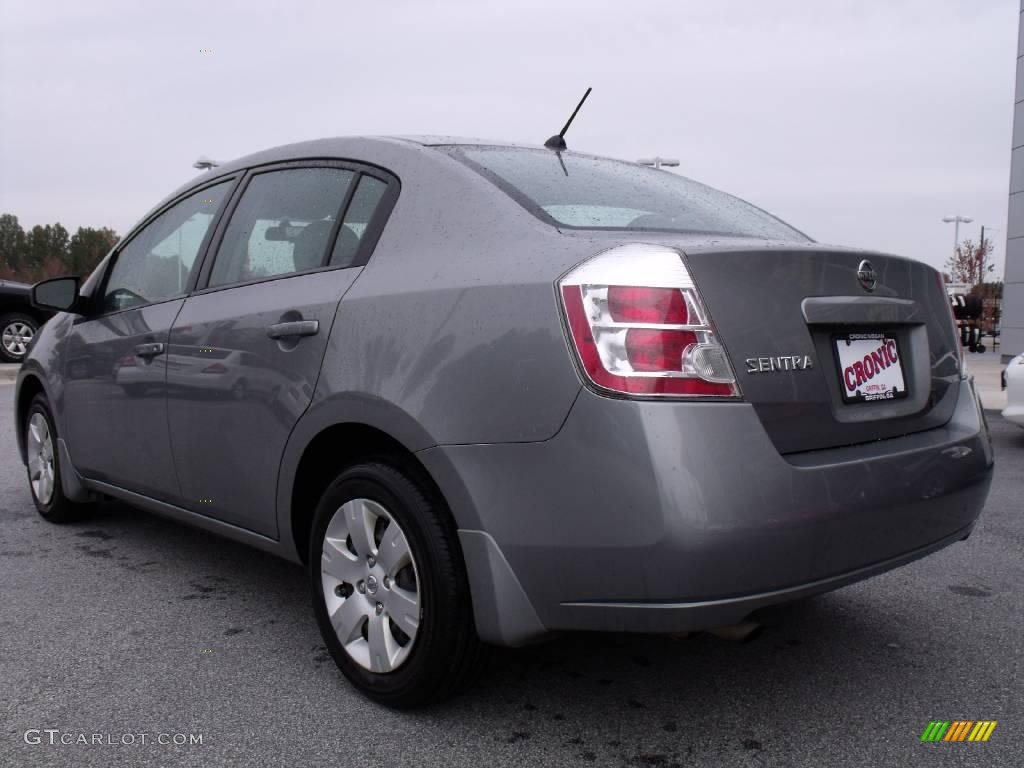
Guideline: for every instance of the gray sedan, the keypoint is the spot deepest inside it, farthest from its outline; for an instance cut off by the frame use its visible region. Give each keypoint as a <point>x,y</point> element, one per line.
<point>493,392</point>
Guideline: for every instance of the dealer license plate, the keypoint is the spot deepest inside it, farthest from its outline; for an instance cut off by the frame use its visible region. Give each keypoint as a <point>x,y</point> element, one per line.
<point>870,367</point>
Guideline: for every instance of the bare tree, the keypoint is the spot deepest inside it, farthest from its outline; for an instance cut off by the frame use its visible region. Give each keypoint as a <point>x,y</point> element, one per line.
<point>971,263</point>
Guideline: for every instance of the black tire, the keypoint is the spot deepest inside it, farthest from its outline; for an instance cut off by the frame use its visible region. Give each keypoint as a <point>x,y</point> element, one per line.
<point>447,652</point>
<point>58,509</point>
<point>9,321</point>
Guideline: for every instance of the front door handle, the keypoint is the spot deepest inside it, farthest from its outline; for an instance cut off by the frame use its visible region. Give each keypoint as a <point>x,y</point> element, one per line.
<point>149,350</point>
<point>293,328</point>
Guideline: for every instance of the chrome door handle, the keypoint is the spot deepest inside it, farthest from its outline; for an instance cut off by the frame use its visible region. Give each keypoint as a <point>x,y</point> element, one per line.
<point>293,328</point>
<point>149,350</point>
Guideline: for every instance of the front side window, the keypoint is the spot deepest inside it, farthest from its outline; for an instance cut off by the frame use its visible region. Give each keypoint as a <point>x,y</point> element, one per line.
<point>282,225</point>
<point>156,263</point>
<point>584,192</point>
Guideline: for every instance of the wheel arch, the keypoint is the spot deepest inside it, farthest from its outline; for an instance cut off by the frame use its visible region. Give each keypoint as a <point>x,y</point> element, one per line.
<point>29,386</point>
<point>334,434</point>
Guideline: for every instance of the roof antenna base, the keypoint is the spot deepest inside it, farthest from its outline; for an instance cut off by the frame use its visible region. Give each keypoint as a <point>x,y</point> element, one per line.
<point>557,142</point>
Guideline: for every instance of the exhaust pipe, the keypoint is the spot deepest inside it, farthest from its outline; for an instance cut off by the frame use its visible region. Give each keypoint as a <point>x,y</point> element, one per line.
<point>738,633</point>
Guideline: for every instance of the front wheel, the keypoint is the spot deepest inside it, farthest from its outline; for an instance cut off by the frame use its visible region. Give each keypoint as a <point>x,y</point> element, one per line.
<point>389,587</point>
<point>44,469</point>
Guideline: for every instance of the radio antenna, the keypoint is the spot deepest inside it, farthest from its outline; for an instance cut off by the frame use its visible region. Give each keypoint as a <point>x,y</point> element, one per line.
<point>557,142</point>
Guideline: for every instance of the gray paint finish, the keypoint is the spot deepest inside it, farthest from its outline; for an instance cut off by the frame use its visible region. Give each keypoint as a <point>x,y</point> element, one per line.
<point>116,401</point>
<point>686,503</point>
<point>229,429</point>
<point>451,342</point>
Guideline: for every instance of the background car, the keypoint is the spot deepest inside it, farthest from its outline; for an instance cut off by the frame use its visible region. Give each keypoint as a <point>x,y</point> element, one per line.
<point>19,321</point>
<point>1013,380</point>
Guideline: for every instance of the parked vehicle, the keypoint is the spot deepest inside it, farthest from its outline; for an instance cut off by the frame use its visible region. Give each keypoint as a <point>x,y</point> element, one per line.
<point>1013,383</point>
<point>529,391</point>
<point>19,320</point>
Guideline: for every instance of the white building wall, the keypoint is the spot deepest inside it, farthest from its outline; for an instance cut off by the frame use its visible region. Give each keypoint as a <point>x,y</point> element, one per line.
<point>1012,341</point>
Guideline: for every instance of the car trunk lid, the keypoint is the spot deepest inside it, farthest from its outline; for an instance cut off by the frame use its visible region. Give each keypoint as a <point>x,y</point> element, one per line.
<point>783,312</point>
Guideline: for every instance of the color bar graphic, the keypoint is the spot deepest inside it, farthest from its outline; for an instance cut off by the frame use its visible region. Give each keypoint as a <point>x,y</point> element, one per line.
<point>935,730</point>
<point>958,730</point>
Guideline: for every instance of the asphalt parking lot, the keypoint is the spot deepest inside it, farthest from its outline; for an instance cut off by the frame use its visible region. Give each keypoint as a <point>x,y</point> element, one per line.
<point>129,624</point>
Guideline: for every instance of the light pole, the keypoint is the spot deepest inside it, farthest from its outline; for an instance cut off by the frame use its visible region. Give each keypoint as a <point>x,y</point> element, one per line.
<point>658,162</point>
<point>204,163</point>
<point>956,221</point>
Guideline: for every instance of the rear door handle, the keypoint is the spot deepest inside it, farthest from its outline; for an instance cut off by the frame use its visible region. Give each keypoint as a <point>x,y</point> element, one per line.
<point>149,350</point>
<point>293,328</point>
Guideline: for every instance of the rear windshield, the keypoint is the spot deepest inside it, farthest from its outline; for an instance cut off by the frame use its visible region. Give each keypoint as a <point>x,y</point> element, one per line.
<point>577,191</point>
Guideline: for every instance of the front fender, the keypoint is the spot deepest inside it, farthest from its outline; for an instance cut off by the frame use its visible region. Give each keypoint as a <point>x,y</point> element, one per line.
<point>42,367</point>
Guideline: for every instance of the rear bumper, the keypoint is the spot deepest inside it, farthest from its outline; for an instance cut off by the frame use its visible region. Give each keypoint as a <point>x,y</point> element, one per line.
<point>1013,382</point>
<point>663,517</point>
<point>689,616</point>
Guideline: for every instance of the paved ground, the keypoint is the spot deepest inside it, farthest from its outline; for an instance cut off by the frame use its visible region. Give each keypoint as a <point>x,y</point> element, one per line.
<point>128,624</point>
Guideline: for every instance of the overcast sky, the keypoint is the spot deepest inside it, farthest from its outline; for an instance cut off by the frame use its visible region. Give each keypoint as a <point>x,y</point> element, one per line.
<point>861,123</point>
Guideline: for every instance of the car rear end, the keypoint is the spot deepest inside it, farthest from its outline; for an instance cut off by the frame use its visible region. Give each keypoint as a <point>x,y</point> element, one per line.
<point>760,419</point>
<point>1013,382</point>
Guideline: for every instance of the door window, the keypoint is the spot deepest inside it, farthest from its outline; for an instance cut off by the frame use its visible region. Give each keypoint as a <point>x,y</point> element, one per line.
<point>282,224</point>
<point>156,263</point>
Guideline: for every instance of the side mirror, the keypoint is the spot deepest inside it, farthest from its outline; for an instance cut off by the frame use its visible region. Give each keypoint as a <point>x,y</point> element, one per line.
<point>57,294</point>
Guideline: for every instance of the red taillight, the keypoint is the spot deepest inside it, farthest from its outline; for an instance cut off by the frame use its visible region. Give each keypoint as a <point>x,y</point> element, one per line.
<point>647,336</point>
<point>633,304</point>
<point>215,368</point>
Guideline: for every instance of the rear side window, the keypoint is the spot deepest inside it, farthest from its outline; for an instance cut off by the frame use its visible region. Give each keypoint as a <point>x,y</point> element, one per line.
<point>358,218</point>
<point>282,224</point>
<point>577,191</point>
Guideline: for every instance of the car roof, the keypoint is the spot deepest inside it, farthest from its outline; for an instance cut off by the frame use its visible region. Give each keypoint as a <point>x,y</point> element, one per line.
<point>438,141</point>
<point>348,146</point>
<point>362,148</point>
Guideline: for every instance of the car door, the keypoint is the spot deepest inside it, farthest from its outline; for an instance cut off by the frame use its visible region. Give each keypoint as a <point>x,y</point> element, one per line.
<point>246,349</point>
<point>114,377</point>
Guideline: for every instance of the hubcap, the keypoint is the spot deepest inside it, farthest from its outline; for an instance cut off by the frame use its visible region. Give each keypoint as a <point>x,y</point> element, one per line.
<point>16,337</point>
<point>40,458</point>
<point>370,585</point>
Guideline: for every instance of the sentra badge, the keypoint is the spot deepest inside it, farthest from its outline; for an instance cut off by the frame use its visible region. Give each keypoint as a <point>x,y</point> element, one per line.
<point>783,363</point>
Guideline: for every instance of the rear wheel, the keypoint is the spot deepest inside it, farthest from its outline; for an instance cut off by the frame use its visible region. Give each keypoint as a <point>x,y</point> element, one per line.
<point>16,333</point>
<point>389,588</point>
<point>44,469</point>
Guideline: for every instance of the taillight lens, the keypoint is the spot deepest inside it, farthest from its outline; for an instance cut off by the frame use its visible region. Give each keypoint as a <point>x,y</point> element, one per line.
<point>215,368</point>
<point>639,328</point>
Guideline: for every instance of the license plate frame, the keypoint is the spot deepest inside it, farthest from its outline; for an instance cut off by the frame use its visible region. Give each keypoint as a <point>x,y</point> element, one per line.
<point>879,379</point>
